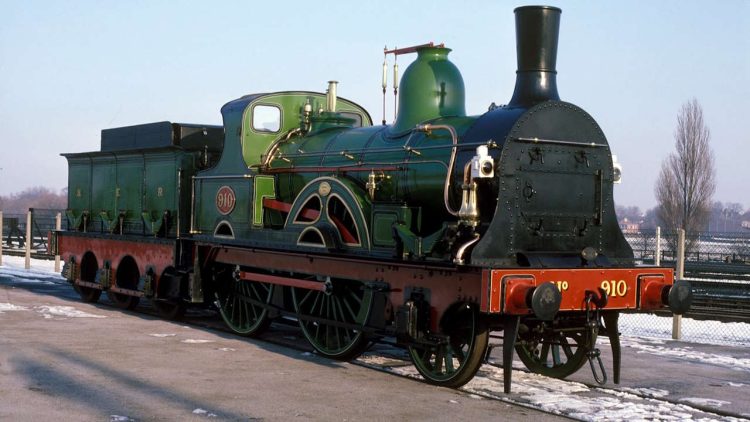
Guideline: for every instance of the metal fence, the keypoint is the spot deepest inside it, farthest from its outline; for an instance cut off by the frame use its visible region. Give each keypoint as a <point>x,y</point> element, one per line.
<point>718,266</point>
<point>14,229</point>
<point>701,248</point>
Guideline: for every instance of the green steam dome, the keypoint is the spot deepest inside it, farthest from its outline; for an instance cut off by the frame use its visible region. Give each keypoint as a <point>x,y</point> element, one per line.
<point>431,87</point>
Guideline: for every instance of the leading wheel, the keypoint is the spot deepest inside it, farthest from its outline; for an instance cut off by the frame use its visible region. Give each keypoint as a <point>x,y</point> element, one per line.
<point>457,354</point>
<point>552,352</point>
<point>242,304</point>
<point>331,320</point>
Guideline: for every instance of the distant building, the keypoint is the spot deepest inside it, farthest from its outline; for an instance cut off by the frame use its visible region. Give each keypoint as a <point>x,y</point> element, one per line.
<point>628,226</point>
<point>746,224</point>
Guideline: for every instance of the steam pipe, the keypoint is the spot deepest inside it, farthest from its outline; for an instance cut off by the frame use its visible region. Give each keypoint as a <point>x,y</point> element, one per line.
<point>427,128</point>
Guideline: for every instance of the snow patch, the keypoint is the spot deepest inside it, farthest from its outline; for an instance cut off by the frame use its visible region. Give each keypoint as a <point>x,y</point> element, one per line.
<point>118,418</point>
<point>196,341</point>
<point>381,361</point>
<point>162,335</point>
<point>226,349</point>
<point>49,312</point>
<point>736,384</point>
<point>204,412</point>
<point>647,392</point>
<point>704,402</point>
<point>11,307</point>
<point>17,264</point>
<point>574,399</point>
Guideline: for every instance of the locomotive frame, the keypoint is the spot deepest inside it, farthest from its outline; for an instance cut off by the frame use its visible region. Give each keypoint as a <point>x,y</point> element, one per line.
<point>434,230</point>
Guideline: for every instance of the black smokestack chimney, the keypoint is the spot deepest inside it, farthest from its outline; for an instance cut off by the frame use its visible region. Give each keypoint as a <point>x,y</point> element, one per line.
<point>537,30</point>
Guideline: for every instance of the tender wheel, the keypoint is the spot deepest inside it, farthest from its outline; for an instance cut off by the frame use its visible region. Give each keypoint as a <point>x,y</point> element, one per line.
<point>168,309</point>
<point>323,314</point>
<point>459,351</point>
<point>241,303</point>
<point>553,352</point>
<point>89,268</point>
<point>127,277</point>
<point>167,302</point>
<point>123,301</point>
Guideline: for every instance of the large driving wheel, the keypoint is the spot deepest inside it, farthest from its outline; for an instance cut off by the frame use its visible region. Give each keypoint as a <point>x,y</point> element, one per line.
<point>557,352</point>
<point>458,351</point>
<point>331,320</point>
<point>242,303</point>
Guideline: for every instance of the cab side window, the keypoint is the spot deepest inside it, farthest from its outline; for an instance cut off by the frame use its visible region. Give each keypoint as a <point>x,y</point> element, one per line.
<point>266,118</point>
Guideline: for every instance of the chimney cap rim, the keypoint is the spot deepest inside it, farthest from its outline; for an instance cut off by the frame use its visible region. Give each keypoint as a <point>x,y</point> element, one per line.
<point>517,9</point>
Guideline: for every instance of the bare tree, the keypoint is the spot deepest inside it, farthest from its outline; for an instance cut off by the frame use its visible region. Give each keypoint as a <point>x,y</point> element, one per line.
<point>686,182</point>
<point>36,197</point>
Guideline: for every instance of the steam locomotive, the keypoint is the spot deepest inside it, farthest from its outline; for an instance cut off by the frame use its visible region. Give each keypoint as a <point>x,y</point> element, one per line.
<point>434,230</point>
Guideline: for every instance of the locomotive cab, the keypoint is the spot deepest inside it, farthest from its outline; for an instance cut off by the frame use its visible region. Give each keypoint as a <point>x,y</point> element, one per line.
<point>230,197</point>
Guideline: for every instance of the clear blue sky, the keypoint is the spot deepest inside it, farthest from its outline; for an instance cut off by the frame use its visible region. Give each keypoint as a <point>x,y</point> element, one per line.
<point>70,69</point>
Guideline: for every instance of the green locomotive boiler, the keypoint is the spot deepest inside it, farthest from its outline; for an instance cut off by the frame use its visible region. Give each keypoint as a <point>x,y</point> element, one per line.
<point>435,230</point>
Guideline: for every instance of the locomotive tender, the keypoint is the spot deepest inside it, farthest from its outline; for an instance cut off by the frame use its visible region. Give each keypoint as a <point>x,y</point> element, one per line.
<point>435,230</point>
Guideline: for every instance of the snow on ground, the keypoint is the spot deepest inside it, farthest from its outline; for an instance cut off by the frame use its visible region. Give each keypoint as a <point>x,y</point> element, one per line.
<point>11,307</point>
<point>41,272</point>
<point>118,418</point>
<point>15,264</point>
<point>196,341</point>
<point>203,412</point>
<point>50,312</point>
<point>566,398</point>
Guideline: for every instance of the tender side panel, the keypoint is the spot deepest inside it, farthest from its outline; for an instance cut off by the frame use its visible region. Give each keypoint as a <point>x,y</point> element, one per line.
<point>147,253</point>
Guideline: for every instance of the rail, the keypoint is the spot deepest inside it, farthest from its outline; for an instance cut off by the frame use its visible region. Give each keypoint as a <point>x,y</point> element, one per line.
<point>720,301</point>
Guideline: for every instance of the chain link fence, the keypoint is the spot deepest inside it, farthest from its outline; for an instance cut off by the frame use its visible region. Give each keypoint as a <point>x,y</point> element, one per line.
<point>718,266</point>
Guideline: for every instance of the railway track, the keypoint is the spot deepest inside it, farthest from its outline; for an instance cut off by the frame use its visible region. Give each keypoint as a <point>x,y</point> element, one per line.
<point>721,301</point>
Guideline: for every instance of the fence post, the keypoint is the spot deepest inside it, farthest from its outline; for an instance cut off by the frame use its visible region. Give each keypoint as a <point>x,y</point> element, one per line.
<point>58,226</point>
<point>1,237</point>
<point>677,319</point>
<point>28,241</point>
<point>657,252</point>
